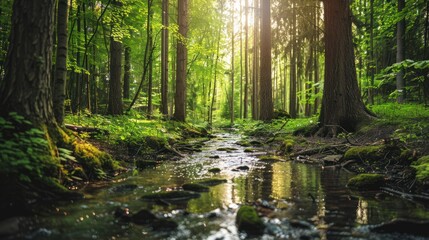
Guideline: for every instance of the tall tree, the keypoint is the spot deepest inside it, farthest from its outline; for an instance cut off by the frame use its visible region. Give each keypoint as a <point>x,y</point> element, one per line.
<point>26,87</point>
<point>127,72</point>
<point>342,106</point>
<point>59,83</point>
<point>400,52</point>
<point>246,59</point>
<point>231,109</point>
<point>182,57</point>
<point>164,59</point>
<point>266,98</point>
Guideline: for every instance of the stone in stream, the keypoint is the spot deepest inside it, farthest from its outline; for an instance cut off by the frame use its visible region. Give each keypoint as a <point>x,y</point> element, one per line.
<point>144,217</point>
<point>123,188</point>
<point>227,149</point>
<point>123,214</point>
<point>164,224</point>
<point>195,187</point>
<point>212,181</point>
<point>366,181</point>
<point>171,196</point>
<point>215,157</point>
<point>404,226</point>
<point>248,221</point>
<point>214,170</point>
<point>241,168</point>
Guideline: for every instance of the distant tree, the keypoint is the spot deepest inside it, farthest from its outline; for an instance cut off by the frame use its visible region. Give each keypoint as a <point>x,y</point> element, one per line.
<point>266,94</point>
<point>342,106</point>
<point>127,72</point>
<point>182,58</point>
<point>400,52</point>
<point>164,59</point>
<point>60,77</point>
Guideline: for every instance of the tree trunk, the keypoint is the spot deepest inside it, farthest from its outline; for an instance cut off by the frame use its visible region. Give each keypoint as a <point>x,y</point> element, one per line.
<point>60,78</point>
<point>115,94</point>
<point>26,88</point>
<point>266,98</point>
<point>400,53</point>
<point>150,80</point>
<point>246,59</point>
<point>255,73</point>
<point>182,56</point>
<point>293,51</point>
<point>164,59</point>
<point>342,106</point>
<point>127,72</point>
<point>231,109</point>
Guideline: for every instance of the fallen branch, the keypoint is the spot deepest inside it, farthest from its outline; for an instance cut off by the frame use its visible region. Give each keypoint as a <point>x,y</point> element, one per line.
<point>80,129</point>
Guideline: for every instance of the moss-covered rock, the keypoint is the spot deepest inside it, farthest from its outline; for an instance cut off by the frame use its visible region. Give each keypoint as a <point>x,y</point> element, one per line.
<point>366,181</point>
<point>248,220</point>
<point>243,143</point>
<point>227,149</point>
<point>269,158</point>
<point>422,168</point>
<point>366,153</point>
<point>214,170</point>
<point>287,146</point>
<point>249,150</point>
<point>195,187</point>
<point>212,181</point>
<point>171,196</point>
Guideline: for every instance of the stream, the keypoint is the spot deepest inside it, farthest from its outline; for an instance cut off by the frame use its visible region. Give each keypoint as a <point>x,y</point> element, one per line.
<point>310,202</point>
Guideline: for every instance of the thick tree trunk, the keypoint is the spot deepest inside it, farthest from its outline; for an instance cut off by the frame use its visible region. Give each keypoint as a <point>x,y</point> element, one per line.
<point>164,59</point>
<point>127,72</point>
<point>26,87</point>
<point>182,57</point>
<point>114,106</point>
<point>266,98</point>
<point>342,106</point>
<point>59,85</point>
<point>400,53</point>
<point>255,72</point>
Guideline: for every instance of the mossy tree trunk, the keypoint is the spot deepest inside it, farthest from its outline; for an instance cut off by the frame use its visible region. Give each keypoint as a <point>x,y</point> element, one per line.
<point>342,106</point>
<point>26,88</point>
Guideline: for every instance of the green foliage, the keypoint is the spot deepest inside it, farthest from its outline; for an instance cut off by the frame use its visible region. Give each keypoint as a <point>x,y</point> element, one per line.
<point>366,181</point>
<point>25,152</point>
<point>422,168</point>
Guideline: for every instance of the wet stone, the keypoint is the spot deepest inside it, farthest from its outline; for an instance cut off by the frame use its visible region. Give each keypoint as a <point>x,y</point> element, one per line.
<point>143,217</point>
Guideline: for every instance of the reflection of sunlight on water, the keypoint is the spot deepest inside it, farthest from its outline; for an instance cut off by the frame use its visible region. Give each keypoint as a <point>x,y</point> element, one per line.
<point>362,212</point>
<point>282,181</point>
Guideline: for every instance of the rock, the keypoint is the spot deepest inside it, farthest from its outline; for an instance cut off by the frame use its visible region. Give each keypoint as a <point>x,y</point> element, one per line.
<point>212,181</point>
<point>195,187</point>
<point>287,146</point>
<point>332,159</point>
<point>300,224</point>
<point>404,226</point>
<point>215,157</point>
<point>366,181</point>
<point>255,143</point>
<point>242,168</point>
<point>248,150</point>
<point>123,188</point>
<point>227,149</point>
<point>142,164</point>
<point>366,153</point>
<point>214,170</point>
<point>247,220</point>
<point>144,217</point>
<point>270,158</point>
<point>171,196</point>
<point>243,143</point>
<point>164,224</point>
<point>123,214</point>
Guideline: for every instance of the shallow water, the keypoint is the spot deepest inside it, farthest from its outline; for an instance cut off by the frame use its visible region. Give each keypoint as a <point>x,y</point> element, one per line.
<point>315,196</point>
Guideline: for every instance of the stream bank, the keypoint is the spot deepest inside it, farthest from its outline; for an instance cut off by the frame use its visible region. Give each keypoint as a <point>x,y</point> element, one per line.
<point>296,200</point>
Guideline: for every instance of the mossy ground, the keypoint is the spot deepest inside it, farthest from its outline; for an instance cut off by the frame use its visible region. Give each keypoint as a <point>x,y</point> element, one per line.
<point>422,168</point>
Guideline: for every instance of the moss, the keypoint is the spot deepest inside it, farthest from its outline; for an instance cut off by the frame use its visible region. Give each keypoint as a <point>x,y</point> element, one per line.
<point>366,181</point>
<point>195,187</point>
<point>364,153</point>
<point>287,146</point>
<point>93,161</point>
<point>247,220</point>
<point>171,196</point>
<point>422,168</point>
<point>249,150</point>
<point>270,158</point>
<point>214,170</point>
<point>212,181</point>
<point>243,143</point>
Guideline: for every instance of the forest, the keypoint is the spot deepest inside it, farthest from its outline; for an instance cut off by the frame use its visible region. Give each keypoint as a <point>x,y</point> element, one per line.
<point>214,119</point>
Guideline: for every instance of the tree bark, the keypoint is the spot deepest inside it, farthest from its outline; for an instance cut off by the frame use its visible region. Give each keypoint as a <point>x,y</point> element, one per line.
<point>293,51</point>
<point>164,59</point>
<point>26,87</point>
<point>246,60</point>
<point>400,53</point>
<point>342,106</point>
<point>182,56</point>
<point>127,72</point>
<point>255,72</point>
<point>266,98</point>
<point>114,106</point>
<point>60,77</point>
